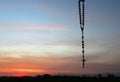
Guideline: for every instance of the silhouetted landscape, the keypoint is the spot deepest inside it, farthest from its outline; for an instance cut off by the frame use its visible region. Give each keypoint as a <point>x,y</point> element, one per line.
<point>60,78</point>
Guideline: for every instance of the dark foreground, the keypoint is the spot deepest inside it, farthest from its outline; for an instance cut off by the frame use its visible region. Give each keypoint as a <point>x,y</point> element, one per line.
<point>48,78</point>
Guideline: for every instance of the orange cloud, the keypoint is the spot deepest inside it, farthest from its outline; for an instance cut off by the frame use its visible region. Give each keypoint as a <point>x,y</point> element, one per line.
<point>31,65</point>
<point>22,70</point>
<point>30,70</point>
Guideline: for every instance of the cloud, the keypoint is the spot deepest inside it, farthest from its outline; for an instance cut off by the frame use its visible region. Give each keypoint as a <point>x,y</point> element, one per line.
<point>105,60</point>
<point>30,27</point>
<point>68,42</point>
<point>43,28</point>
<point>61,65</point>
<point>49,64</point>
<point>21,54</point>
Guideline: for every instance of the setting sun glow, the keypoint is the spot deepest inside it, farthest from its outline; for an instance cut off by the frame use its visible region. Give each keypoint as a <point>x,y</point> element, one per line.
<point>22,72</point>
<point>29,70</point>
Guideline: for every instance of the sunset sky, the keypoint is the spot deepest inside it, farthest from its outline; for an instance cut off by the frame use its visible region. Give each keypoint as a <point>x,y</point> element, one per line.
<point>43,36</point>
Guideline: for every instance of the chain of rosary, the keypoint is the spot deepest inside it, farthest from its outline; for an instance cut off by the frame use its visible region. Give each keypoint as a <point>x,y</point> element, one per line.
<point>82,19</point>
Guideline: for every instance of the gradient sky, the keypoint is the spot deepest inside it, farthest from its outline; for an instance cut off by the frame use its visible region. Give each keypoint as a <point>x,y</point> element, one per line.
<point>43,36</point>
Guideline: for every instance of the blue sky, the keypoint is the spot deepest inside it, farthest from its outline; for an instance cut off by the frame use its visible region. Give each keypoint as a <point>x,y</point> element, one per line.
<point>47,31</point>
